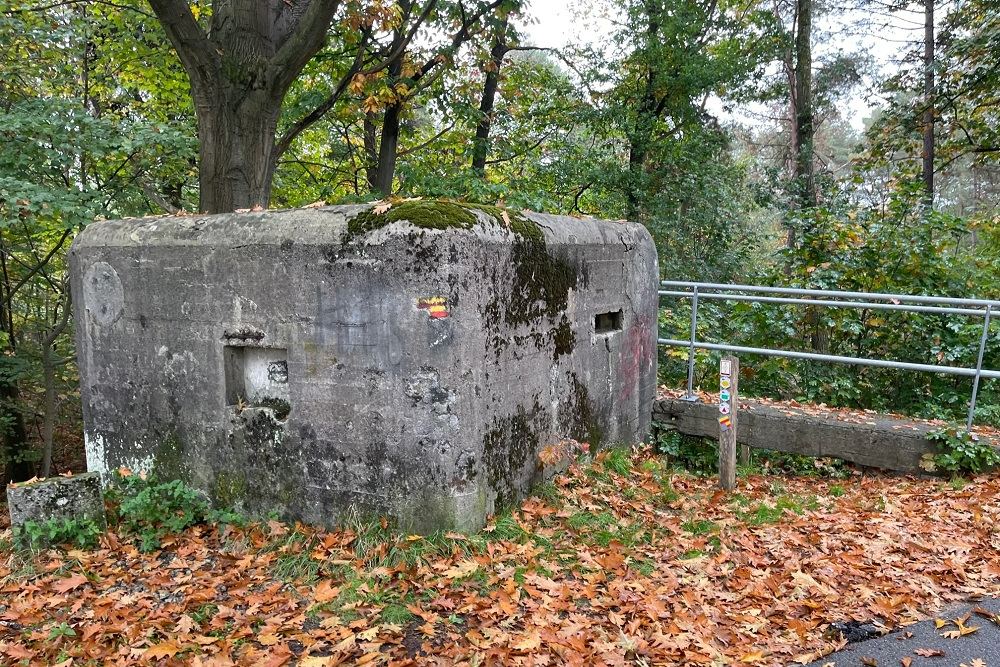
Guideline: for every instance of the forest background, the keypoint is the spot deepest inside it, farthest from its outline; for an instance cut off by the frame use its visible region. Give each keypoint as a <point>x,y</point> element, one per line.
<point>730,128</point>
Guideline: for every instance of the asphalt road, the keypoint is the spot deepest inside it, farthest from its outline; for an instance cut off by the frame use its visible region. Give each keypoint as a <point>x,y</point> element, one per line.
<point>889,650</point>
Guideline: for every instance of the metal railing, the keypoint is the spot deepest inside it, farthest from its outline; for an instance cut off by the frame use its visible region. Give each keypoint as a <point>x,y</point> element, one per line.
<point>980,308</point>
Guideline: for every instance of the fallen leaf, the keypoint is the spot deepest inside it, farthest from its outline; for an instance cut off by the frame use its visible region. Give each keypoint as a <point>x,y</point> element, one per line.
<point>325,591</point>
<point>165,649</point>
<point>463,569</point>
<point>528,643</point>
<point>928,652</point>
<point>69,583</point>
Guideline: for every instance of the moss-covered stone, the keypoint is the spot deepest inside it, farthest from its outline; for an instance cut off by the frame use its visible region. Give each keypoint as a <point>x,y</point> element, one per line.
<point>541,282</point>
<point>564,339</point>
<point>585,425</point>
<point>426,214</point>
<point>440,214</point>
<point>170,461</point>
<point>230,489</point>
<point>279,406</point>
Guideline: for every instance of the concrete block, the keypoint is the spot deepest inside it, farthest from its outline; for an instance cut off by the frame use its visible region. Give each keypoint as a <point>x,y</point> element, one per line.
<point>317,362</point>
<point>73,497</point>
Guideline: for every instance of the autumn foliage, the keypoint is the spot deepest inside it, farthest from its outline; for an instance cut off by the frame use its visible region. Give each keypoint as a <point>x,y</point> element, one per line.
<point>619,561</point>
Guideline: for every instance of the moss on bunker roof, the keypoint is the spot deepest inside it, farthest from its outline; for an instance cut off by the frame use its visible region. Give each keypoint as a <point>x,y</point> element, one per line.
<point>439,214</point>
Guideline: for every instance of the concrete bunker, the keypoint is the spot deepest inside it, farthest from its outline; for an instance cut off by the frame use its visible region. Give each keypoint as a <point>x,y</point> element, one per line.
<point>408,362</point>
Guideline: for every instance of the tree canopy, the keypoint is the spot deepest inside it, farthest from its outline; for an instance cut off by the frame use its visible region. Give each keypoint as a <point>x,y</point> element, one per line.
<point>727,127</point>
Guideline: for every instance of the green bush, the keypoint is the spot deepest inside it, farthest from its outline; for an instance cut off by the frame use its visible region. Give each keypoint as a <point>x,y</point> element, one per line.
<point>959,451</point>
<point>699,456</point>
<point>151,510</point>
<point>38,535</point>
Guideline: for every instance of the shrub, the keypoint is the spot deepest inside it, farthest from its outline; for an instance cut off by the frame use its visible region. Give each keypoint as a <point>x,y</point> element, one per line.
<point>959,451</point>
<point>152,510</point>
<point>38,535</point>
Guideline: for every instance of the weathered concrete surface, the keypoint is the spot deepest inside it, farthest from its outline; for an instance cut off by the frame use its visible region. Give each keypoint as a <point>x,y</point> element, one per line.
<point>74,497</point>
<point>293,361</point>
<point>884,442</point>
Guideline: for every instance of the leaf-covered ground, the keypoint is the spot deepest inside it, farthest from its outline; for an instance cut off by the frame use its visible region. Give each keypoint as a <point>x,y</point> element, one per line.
<point>616,562</point>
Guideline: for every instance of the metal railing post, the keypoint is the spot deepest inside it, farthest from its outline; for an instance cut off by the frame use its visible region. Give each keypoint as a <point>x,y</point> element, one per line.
<point>694,337</point>
<point>979,367</point>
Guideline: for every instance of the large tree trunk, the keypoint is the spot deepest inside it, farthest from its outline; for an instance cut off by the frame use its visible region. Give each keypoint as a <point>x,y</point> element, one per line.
<point>236,154</point>
<point>371,150</point>
<point>928,153</point>
<point>49,364</point>
<point>642,127</point>
<point>804,177</point>
<point>240,70</point>
<point>481,147</point>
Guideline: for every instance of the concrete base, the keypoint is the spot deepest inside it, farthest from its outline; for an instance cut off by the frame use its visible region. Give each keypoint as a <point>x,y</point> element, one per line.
<point>74,497</point>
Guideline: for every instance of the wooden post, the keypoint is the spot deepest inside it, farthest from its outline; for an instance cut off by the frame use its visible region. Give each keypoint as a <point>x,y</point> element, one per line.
<point>729,373</point>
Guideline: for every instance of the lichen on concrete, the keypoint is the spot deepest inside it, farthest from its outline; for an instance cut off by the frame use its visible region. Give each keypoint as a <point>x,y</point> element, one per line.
<point>75,497</point>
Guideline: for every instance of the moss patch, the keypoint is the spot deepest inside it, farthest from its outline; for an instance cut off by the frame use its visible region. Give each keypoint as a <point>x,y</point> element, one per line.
<point>585,425</point>
<point>437,214</point>
<point>564,338</point>
<point>230,489</point>
<point>507,448</point>
<point>426,214</point>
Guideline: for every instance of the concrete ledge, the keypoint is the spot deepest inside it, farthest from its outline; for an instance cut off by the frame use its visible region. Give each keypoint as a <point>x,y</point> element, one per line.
<point>881,442</point>
<point>73,497</point>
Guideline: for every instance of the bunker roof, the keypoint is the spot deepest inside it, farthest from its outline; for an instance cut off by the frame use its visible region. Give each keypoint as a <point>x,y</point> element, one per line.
<point>337,225</point>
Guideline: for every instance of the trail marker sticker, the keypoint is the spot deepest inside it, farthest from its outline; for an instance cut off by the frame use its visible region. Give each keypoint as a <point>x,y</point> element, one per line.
<point>436,306</point>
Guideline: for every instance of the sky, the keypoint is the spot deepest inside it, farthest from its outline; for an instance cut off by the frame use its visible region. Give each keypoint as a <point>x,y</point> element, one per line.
<point>554,24</point>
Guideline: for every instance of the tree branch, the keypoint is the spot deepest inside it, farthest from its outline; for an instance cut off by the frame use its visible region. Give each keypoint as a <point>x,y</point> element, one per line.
<point>302,45</point>
<point>199,57</point>
<point>459,38</point>
<point>299,126</point>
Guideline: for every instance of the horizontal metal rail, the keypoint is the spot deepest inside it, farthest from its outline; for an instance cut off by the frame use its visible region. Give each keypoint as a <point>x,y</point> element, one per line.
<point>978,312</point>
<point>876,296</point>
<point>816,356</point>
<point>832,299</point>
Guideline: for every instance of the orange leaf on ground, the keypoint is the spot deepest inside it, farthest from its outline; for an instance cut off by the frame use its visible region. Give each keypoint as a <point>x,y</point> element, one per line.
<point>165,649</point>
<point>69,583</point>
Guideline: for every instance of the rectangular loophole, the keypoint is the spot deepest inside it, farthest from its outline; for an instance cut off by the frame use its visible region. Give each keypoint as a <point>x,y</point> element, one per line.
<point>257,377</point>
<point>608,322</point>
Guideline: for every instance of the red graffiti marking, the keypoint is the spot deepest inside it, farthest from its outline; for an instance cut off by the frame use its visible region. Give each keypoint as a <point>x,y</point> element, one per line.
<point>638,354</point>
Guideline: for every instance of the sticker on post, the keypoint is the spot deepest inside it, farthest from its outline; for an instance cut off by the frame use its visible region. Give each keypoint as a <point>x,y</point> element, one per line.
<point>436,306</point>
<point>725,422</point>
<point>725,367</point>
